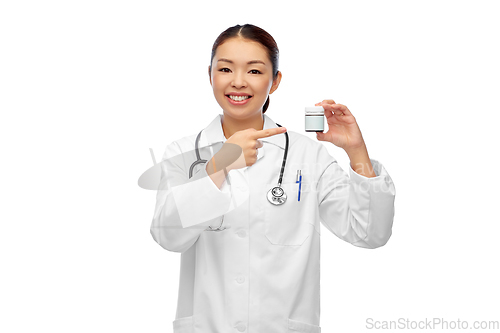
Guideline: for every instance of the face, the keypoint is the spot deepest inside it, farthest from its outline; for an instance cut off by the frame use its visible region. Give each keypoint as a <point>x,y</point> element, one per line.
<point>241,76</point>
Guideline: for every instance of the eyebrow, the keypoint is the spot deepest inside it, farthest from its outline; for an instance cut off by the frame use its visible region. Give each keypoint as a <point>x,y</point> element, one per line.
<point>249,63</point>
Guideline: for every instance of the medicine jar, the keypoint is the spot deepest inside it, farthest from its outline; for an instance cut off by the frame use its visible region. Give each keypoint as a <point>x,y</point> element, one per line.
<point>314,119</point>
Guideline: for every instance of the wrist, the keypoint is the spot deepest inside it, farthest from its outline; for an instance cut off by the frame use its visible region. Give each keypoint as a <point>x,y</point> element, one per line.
<point>360,161</point>
<point>220,161</point>
<point>360,150</point>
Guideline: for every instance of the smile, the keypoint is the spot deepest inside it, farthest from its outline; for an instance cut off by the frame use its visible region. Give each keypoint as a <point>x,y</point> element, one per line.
<point>238,100</point>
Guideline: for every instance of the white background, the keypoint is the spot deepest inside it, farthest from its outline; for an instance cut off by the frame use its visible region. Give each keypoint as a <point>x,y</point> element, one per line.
<point>87,87</point>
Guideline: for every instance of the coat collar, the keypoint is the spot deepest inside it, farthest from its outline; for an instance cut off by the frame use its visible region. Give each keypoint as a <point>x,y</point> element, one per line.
<point>213,134</point>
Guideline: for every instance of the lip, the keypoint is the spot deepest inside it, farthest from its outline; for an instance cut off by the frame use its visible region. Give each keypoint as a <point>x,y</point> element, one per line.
<point>239,103</point>
<point>238,94</point>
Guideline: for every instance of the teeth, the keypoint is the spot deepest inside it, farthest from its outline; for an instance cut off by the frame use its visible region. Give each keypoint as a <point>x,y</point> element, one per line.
<point>238,98</point>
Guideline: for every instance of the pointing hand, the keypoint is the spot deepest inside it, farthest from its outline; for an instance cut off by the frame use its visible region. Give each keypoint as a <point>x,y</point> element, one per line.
<point>249,143</point>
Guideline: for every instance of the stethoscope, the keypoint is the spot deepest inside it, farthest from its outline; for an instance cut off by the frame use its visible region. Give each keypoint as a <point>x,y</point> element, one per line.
<point>275,195</point>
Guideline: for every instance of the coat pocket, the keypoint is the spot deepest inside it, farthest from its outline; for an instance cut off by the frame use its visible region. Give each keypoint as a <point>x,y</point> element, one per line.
<point>183,325</point>
<point>287,224</point>
<point>295,326</point>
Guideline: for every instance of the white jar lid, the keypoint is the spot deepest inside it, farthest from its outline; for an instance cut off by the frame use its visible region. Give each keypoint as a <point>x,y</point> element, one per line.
<point>315,110</point>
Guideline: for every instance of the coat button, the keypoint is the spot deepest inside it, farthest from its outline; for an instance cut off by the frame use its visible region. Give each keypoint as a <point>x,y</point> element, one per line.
<point>241,328</point>
<point>240,279</point>
<point>242,233</point>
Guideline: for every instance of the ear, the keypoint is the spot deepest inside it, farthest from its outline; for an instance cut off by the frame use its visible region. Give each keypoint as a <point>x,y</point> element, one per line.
<point>210,74</point>
<point>276,83</point>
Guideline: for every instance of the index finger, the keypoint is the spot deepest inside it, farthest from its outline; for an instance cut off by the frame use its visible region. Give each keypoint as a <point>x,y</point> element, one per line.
<point>268,132</point>
<point>327,101</point>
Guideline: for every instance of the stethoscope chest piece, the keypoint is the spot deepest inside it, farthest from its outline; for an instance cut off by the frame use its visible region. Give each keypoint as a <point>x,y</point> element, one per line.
<point>276,196</point>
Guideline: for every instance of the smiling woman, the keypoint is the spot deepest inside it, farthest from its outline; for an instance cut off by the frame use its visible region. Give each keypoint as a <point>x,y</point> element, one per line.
<point>250,249</point>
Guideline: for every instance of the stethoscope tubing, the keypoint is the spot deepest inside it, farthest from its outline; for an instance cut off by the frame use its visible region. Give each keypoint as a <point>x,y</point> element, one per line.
<point>282,171</point>
<point>198,159</point>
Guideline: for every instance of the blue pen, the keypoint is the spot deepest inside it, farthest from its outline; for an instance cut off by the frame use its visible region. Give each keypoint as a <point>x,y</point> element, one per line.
<point>299,180</point>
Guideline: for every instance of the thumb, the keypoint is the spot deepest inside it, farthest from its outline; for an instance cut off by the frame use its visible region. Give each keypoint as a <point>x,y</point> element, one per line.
<point>320,136</point>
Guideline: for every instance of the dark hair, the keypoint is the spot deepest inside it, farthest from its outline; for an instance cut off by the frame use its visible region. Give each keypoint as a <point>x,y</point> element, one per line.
<point>256,34</point>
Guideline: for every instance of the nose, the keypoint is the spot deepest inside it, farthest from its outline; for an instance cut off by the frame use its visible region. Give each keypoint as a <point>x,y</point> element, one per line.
<point>239,80</point>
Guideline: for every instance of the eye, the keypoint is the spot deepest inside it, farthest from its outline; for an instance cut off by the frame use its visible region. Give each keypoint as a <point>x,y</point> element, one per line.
<point>255,71</point>
<point>225,70</point>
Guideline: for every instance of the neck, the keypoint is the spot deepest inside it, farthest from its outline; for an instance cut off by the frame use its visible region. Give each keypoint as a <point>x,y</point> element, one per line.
<point>233,125</point>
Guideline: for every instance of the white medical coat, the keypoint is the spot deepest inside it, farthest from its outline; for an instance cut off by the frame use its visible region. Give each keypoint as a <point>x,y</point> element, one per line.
<point>262,273</point>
